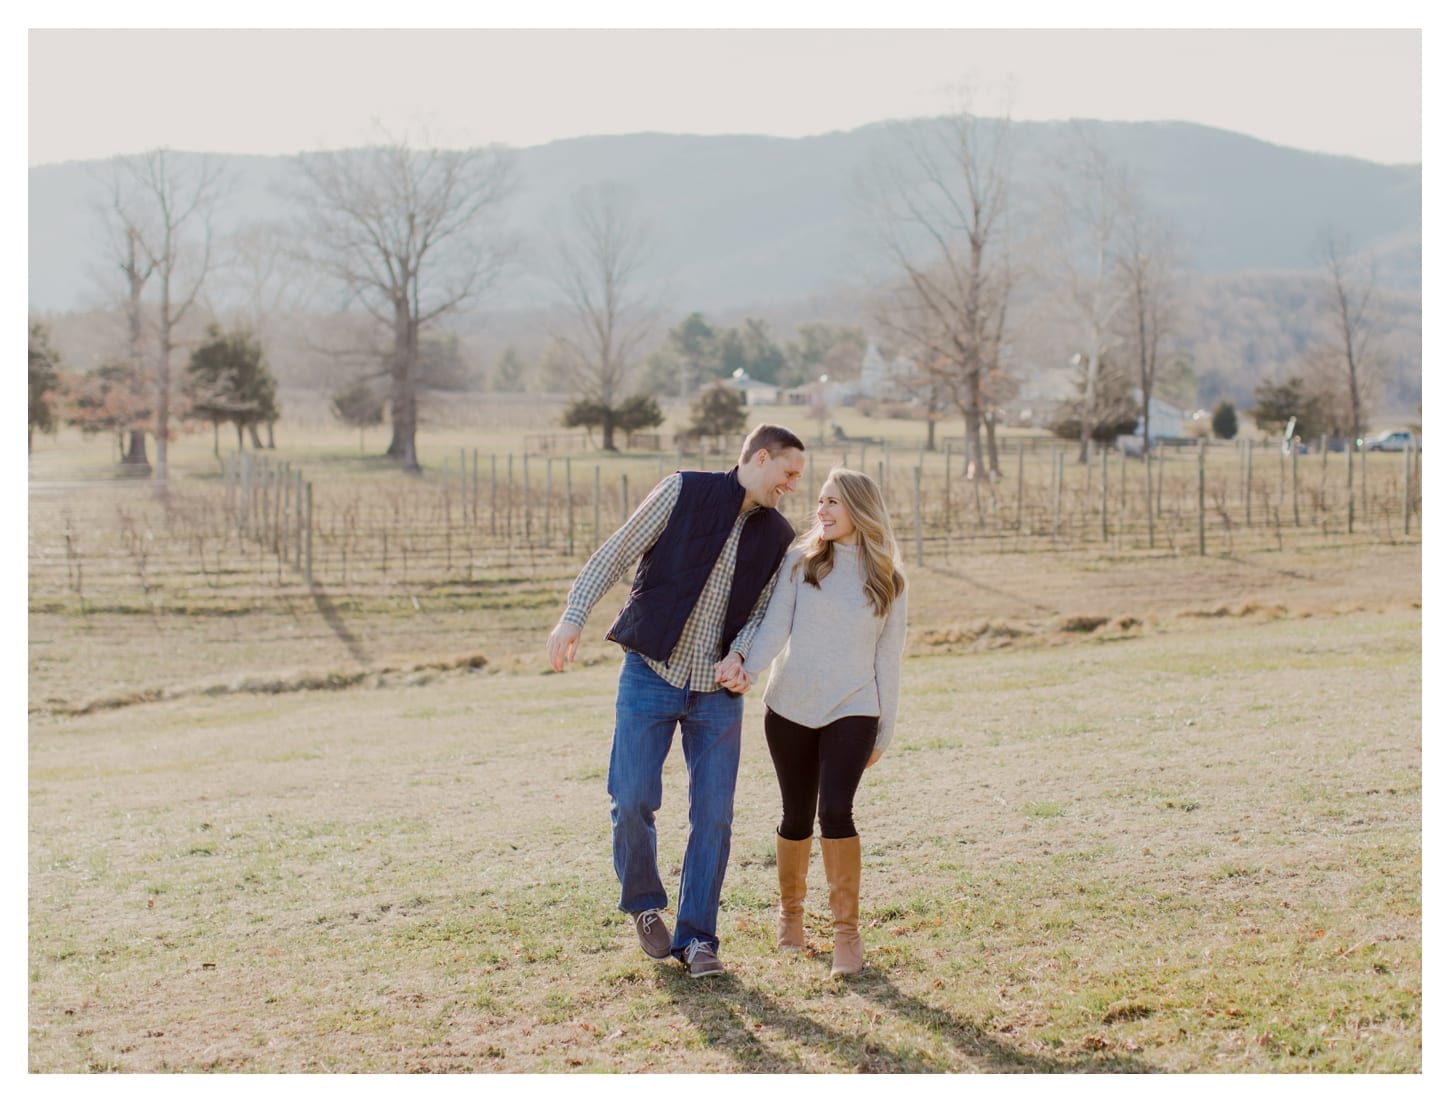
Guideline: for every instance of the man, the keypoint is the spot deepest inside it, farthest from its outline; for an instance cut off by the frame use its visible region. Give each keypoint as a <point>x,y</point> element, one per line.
<point>708,546</point>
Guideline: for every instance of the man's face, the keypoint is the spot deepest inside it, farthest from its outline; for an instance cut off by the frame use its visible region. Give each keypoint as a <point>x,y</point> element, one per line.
<point>771,478</point>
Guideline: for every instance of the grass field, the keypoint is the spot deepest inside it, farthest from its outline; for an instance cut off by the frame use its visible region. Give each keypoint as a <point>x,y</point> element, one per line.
<point>1145,812</point>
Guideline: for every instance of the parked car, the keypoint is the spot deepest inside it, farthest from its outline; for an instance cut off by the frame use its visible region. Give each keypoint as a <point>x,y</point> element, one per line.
<point>1390,441</point>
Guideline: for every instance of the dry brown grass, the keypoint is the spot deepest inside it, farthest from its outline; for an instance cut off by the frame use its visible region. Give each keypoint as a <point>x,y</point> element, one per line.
<point>1145,812</point>
<point>1216,870</point>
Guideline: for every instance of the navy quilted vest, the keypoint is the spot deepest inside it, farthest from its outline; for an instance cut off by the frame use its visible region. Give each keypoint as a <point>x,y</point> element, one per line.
<point>672,573</point>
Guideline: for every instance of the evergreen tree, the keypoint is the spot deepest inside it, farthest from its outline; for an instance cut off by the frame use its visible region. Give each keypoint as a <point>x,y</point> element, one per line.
<point>1225,420</point>
<point>228,381</point>
<point>44,382</point>
<point>718,411</point>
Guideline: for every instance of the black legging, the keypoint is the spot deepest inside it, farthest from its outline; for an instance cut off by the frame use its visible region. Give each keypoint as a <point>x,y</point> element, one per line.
<point>826,761</point>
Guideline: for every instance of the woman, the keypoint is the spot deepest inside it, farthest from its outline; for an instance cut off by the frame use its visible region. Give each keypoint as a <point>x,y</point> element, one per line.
<point>837,619</point>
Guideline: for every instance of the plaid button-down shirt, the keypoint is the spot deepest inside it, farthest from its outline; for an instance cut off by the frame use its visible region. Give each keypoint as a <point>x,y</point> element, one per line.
<point>691,664</point>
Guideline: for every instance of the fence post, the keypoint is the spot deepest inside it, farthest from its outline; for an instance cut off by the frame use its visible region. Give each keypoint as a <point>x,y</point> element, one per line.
<point>443,486</point>
<point>1364,481</point>
<point>245,513</point>
<point>1248,483</point>
<point>623,497</point>
<point>1158,496</point>
<point>1056,492</point>
<point>1282,481</point>
<point>279,483</point>
<point>1202,497</point>
<point>548,498</point>
<point>297,551</point>
<point>1148,488</point>
<point>1409,483</point>
<point>596,505</point>
<point>307,573</point>
<point>474,512</point>
<point>1021,464</point>
<point>1349,455</point>
<point>493,495</point>
<point>1105,495</point>
<point>886,472</point>
<point>916,509</point>
<point>1294,478</point>
<point>569,507</point>
<point>947,499</point>
<point>528,504</point>
<point>508,503</point>
<point>284,505</point>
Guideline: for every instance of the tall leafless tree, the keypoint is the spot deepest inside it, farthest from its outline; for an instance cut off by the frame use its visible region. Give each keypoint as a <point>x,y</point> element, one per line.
<point>410,234</point>
<point>1353,302</point>
<point>161,217</point>
<point>1091,197</point>
<point>599,248</point>
<point>126,253</point>
<point>1147,269</point>
<point>938,203</point>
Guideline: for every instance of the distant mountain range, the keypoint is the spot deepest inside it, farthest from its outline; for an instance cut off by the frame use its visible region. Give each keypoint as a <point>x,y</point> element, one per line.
<point>744,223</point>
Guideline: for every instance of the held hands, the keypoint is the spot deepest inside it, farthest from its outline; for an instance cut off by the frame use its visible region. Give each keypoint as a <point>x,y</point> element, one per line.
<point>563,644</point>
<point>730,674</point>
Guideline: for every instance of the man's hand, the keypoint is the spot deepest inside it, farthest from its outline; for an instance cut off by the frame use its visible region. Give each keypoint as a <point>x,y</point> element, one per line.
<point>874,758</point>
<point>730,673</point>
<point>563,644</point>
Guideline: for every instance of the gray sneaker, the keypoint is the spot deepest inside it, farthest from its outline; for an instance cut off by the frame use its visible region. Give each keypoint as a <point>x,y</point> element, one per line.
<point>654,935</point>
<point>701,960</point>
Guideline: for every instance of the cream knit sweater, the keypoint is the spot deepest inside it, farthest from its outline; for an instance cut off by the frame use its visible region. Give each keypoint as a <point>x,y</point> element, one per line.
<point>839,659</point>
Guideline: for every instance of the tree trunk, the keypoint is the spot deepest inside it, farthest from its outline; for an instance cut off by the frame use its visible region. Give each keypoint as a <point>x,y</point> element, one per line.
<point>136,452</point>
<point>163,380</point>
<point>216,439</point>
<point>133,460</point>
<point>992,464</point>
<point>972,457</point>
<point>404,404</point>
<point>1089,408</point>
<point>271,438</point>
<point>256,439</point>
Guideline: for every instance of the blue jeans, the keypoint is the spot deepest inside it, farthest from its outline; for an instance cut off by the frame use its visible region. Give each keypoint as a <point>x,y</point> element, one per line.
<point>646,712</point>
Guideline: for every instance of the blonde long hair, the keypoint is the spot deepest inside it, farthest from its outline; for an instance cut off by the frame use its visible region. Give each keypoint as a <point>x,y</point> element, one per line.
<point>875,544</point>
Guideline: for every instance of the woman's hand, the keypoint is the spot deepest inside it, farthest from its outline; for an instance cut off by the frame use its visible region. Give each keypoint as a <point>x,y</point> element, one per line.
<point>874,758</point>
<point>730,673</point>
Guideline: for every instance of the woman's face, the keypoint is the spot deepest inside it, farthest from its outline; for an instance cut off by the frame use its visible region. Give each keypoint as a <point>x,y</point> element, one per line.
<point>835,520</point>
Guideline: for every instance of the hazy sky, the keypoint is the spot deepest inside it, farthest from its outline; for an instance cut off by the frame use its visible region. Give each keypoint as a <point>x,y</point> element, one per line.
<point>94,93</point>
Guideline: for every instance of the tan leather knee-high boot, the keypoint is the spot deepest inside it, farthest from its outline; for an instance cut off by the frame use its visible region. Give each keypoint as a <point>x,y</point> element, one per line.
<point>792,859</point>
<point>842,858</point>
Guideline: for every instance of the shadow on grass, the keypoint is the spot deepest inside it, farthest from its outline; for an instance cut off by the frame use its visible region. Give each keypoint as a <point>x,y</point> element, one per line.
<point>964,577</point>
<point>764,1035</point>
<point>330,614</point>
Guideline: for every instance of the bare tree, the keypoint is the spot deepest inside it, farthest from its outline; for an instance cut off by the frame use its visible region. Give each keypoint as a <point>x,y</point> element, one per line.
<point>412,235</point>
<point>1147,267</point>
<point>162,212</point>
<point>136,271</point>
<point>1091,198</point>
<point>1353,296</point>
<point>598,251</point>
<point>938,203</point>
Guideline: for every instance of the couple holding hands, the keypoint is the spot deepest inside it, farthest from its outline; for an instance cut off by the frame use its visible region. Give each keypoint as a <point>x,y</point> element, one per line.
<point>724,590</point>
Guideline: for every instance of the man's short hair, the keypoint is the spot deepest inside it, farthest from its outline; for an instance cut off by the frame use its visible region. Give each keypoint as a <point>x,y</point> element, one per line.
<point>773,438</point>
